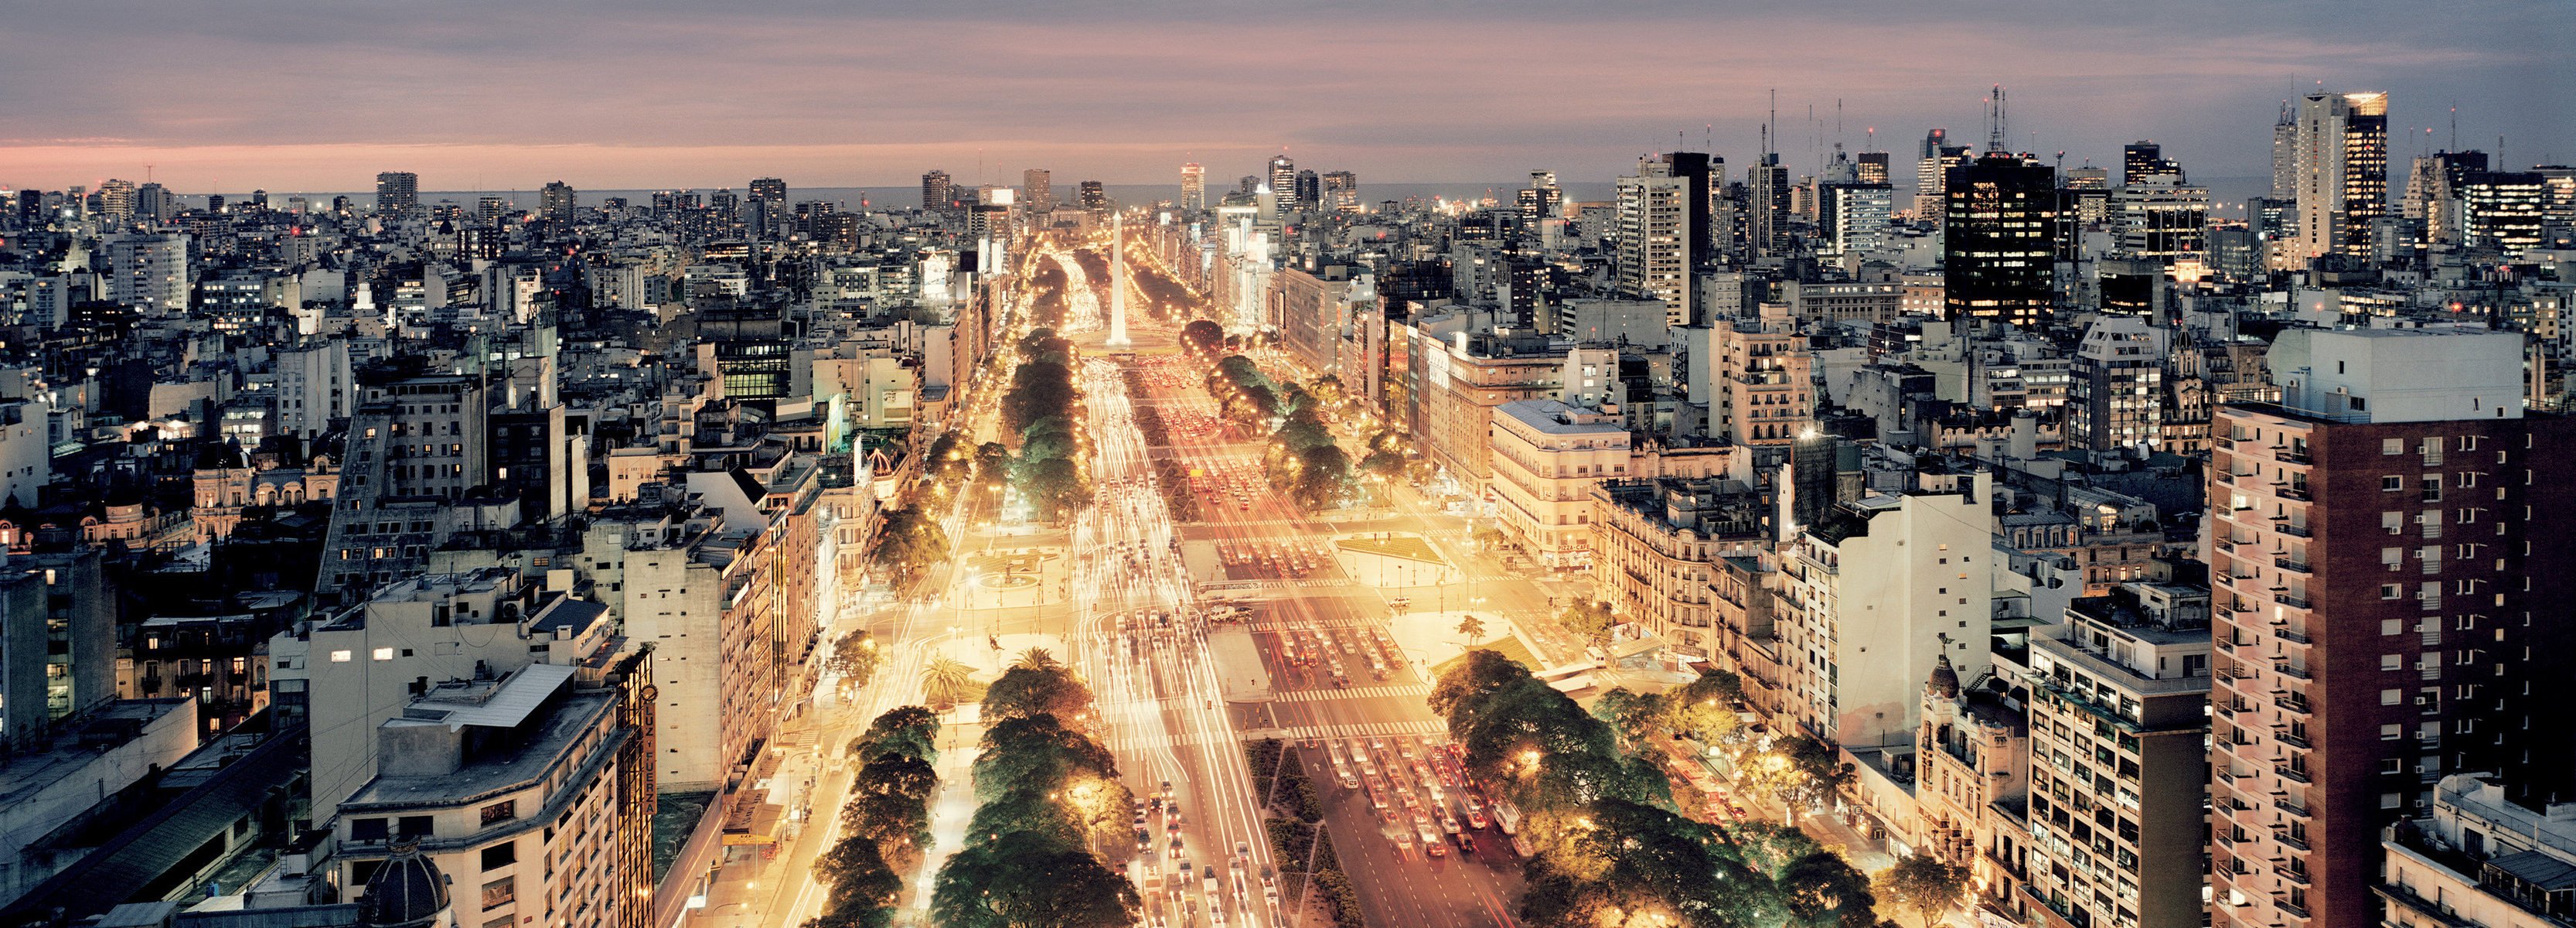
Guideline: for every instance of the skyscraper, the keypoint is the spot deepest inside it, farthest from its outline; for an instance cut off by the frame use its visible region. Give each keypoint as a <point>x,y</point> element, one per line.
<point>1542,199</point>
<point>1654,254</point>
<point>937,191</point>
<point>555,203</point>
<point>767,190</point>
<point>116,199</point>
<point>1038,187</point>
<point>1193,187</point>
<point>2390,609</point>
<point>2340,168</point>
<point>1766,206</point>
<point>2143,162</point>
<point>1310,191</point>
<point>1939,156</point>
<point>397,191</point>
<point>1283,184</point>
<point>1998,237</point>
<point>1341,191</point>
<point>1872,167</point>
<point>2503,209</point>
<point>2285,154</point>
<point>1092,196</point>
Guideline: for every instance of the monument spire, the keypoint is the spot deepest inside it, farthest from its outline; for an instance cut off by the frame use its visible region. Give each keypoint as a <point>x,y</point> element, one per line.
<point>1118,280</point>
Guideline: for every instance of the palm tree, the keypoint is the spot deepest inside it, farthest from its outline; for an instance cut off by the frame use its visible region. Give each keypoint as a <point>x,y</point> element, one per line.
<point>945,680</point>
<point>1037,659</point>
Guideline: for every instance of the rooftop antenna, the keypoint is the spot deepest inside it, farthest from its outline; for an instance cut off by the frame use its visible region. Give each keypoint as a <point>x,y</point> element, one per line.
<point>1772,120</point>
<point>1995,120</point>
<point>2455,125</point>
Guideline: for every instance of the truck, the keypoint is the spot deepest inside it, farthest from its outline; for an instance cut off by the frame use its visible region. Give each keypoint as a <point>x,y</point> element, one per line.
<point>1508,816</point>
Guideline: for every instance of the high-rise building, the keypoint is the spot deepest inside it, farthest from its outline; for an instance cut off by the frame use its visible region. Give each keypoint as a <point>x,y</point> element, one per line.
<point>2340,167</point>
<point>148,271</point>
<point>1766,208</point>
<point>1998,239</point>
<point>1341,190</point>
<point>1037,189</point>
<point>397,191</point>
<point>116,199</point>
<point>555,203</point>
<point>2165,222</point>
<point>1193,187</point>
<point>1871,168</point>
<point>154,204</point>
<point>937,193</point>
<point>1542,199</point>
<point>2143,162</point>
<point>1853,216</point>
<point>1654,255</point>
<point>2503,209</point>
<point>767,190</point>
<point>1933,170</point>
<point>1310,191</point>
<point>2116,398</point>
<point>1092,196</point>
<point>2389,609</point>
<point>1283,184</point>
<point>2285,154</point>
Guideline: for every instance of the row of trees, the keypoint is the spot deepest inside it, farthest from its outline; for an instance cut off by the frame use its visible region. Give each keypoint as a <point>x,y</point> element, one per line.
<point>886,824</point>
<point>1612,849</point>
<point>1042,408</point>
<point>1301,458</point>
<point>910,537</point>
<point>1051,812</point>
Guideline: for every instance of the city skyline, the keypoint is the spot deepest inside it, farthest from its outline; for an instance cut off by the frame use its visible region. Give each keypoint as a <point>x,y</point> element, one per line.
<point>1090,90</point>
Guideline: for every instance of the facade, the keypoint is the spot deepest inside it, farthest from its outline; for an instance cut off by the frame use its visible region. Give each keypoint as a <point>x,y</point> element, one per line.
<point>1873,595</point>
<point>1654,237</point>
<point>2118,782</point>
<point>2339,166</point>
<point>2479,861</point>
<point>2116,393</point>
<point>2000,224</point>
<point>1972,765</point>
<point>1763,383</point>
<point>1193,187</point>
<point>397,191</point>
<point>149,271</point>
<point>2375,543</point>
<point>1657,547</point>
<point>1037,190</point>
<point>1282,181</point>
<point>1547,456</point>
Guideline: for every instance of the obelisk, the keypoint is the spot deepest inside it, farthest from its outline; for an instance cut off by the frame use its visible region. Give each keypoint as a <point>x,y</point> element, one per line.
<point>1118,280</point>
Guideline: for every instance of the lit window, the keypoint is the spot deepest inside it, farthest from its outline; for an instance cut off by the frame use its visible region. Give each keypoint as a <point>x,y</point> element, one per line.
<point>339,657</point>
<point>382,654</point>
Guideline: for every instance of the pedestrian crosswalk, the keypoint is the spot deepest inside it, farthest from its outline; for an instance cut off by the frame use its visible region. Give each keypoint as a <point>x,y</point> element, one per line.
<point>1365,692</point>
<point>1367,729</point>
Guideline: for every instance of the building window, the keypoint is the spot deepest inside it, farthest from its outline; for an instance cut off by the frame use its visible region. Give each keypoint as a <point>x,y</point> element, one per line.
<point>382,654</point>
<point>340,657</point>
<point>500,892</point>
<point>2391,697</point>
<point>502,811</point>
<point>500,855</point>
<point>368,830</point>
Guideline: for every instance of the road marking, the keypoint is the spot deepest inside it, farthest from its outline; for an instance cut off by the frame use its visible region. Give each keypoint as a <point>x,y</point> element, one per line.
<point>1365,692</point>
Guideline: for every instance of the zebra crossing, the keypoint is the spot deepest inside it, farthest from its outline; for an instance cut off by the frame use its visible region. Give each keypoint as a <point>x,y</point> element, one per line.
<point>1367,729</point>
<point>1365,692</point>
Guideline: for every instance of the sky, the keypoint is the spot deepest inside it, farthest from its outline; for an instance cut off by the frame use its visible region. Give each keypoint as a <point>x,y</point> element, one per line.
<point>476,95</point>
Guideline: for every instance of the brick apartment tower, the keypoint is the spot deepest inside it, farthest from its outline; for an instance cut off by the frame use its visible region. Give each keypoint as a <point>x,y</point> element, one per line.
<point>2390,580</point>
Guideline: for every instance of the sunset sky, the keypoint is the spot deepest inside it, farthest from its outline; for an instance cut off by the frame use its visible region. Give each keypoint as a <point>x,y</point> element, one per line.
<point>508,95</point>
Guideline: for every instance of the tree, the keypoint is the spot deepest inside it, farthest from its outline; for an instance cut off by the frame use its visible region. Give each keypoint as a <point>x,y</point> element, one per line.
<point>863,885</point>
<point>1037,659</point>
<point>908,544</point>
<point>1471,629</point>
<point>910,731</point>
<point>1203,337</point>
<point>1590,619</point>
<point>1041,887</point>
<point>1024,691</point>
<point>855,657</point>
<point>1925,885</point>
<point>946,681</point>
<point>1634,715</point>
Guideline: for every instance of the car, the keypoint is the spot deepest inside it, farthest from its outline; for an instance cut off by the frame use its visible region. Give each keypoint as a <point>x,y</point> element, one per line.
<point>1176,847</point>
<point>1144,840</point>
<point>1466,843</point>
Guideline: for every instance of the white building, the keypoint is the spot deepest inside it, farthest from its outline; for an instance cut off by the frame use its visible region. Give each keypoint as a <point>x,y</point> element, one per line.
<point>1875,595</point>
<point>314,386</point>
<point>1654,237</point>
<point>148,272</point>
<point>1546,458</point>
<point>2480,861</point>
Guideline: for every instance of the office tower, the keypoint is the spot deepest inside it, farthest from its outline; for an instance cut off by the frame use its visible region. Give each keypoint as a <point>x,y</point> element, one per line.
<point>555,203</point>
<point>1193,187</point>
<point>1341,190</point>
<point>215,203</point>
<point>2143,162</point>
<point>1092,196</point>
<point>490,211</point>
<point>1038,188</point>
<point>2341,171</point>
<point>936,192</point>
<point>767,190</point>
<point>1542,199</point>
<point>116,199</point>
<point>1852,212</point>
<point>1933,170</point>
<point>2121,691</point>
<point>1283,184</point>
<point>2503,209</point>
<point>2558,204</point>
<point>2285,154</point>
<point>2392,609</point>
<point>397,191</point>
<point>1310,191</point>
<point>2432,198</point>
<point>1766,192</point>
<point>2116,397</point>
<point>148,271</point>
<point>1654,254</point>
<point>2165,222</point>
<point>154,204</point>
<point>1872,167</point>
<point>1998,238</point>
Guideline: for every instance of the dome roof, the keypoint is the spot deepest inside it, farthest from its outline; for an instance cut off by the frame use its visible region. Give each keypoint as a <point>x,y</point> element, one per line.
<point>407,892</point>
<point>1945,680</point>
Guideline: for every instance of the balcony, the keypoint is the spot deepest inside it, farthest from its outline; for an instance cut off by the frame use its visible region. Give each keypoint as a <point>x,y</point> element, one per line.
<point>2292,637</point>
<point>2296,741</point>
<point>2285,804</point>
<point>2287,456</point>
<point>2284,836</point>
<point>2287,669</point>
<point>2295,602</point>
<point>2223,442</point>
<point>2296,531</point>
<point>2292,775</point>
<point>2299,492</point>
<point>2289,705</point>
<point>2296,567</point>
